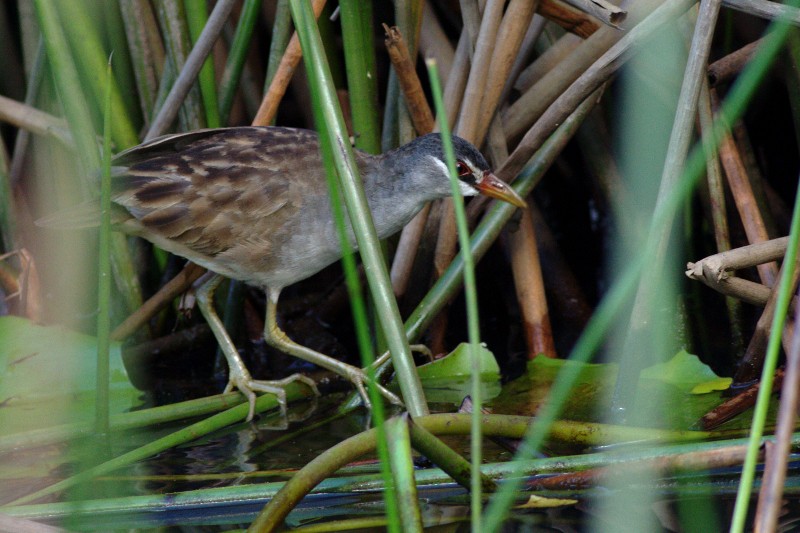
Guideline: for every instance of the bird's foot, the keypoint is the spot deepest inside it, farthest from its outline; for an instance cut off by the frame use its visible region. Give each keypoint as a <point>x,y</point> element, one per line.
<point>249,386</point>
<point>359,379</point>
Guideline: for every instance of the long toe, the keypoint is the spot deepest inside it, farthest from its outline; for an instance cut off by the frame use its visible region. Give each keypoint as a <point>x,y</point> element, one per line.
<point>360,380</point>
<point>244,387</point>
<point>418,348</point>
<point>250,386</point>
<point>310,383</point>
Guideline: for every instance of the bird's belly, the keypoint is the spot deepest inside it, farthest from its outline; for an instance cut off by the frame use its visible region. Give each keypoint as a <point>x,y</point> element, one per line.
<point>302,263</point>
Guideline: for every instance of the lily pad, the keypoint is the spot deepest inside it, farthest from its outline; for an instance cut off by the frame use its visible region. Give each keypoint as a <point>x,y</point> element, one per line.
<point>668,396</point>
<point>448,380</point>
<point>684,371</point>
<point>48,376</point>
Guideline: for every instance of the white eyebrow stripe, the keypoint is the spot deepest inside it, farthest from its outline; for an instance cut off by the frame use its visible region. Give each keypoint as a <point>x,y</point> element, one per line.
<point>438,162</point>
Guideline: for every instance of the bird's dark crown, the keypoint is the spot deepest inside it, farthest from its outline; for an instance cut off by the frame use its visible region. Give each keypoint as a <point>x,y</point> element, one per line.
<point>431,144</point>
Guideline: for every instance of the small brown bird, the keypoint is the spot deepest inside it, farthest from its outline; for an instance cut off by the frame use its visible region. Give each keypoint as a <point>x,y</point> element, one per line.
<point>252,204</point>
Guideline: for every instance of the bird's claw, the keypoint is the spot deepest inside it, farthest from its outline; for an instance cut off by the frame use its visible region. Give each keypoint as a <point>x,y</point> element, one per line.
<point>249,386</point>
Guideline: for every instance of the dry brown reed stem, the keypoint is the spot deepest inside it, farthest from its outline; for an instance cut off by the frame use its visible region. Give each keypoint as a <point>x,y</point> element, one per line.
<point>736,405</point>
<point>547,61</point>
<point>530,289</point>
<point>752,362</point>
<point>289,61</point>
<point>406,253</point>
<point>590,79</point>
<point>716,190</point>
<point>531,104</point>
<point>524,56</point>
<point>21,287</point>
<point>477,84</point>
<point>176,286</point>
<point>658,467</point>
<point>511,33</point>
<point>433,42</point>
<point>746,204</point>
<point>725,68</point>
<point>31,119</point>
<point>604,11</point>
<point>771,492</point>
<point>417,105</point>
<point>758,183</point>
<point>571,19</point>
<point>457,78</point>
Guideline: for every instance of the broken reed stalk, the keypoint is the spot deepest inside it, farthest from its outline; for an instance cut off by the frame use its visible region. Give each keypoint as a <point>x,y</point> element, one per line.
<point>714,270</point>
<point>725,68</point>
<point>602,10</point>
<point>571,19</point>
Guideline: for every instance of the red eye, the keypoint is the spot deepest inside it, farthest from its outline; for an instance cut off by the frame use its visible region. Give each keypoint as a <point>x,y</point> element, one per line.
<point>463,169</point>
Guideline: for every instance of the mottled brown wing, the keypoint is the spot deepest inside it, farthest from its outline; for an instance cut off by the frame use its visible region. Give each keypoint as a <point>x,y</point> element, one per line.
<point>204,193</point>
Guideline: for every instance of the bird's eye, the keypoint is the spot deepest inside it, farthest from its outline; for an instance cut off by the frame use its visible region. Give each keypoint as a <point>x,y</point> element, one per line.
<point>463,169</point>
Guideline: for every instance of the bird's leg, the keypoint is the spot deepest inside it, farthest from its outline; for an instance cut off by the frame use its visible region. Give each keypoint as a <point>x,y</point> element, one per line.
<point>238,375</point>
<point>279,340</point>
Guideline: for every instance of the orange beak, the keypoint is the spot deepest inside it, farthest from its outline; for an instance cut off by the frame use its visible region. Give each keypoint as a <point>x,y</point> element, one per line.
<point>493,187</point>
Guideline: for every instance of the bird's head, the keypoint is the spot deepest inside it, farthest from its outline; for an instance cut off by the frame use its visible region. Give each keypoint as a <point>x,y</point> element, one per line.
<point>425,156</point>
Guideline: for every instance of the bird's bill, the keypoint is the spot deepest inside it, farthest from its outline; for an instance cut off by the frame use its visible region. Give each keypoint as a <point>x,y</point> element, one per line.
<point>493,187</point>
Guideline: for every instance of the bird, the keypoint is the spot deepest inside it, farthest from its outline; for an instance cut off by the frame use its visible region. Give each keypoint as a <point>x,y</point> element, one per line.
<point>252,204</point>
